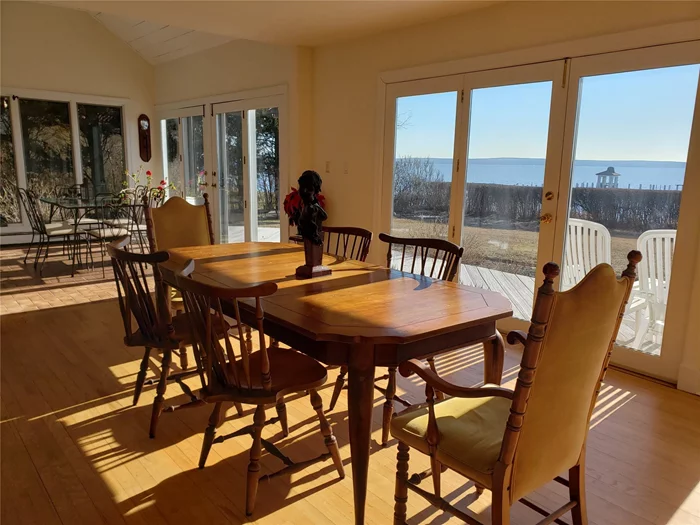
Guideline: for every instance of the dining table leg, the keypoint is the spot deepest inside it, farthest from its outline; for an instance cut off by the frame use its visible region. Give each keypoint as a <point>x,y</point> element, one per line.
<point>360,405</point>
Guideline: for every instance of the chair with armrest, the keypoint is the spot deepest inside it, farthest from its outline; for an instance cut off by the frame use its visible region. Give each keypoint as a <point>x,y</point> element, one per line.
<point>512,443</point>
<point>147,323</point>
<point>261,377</point>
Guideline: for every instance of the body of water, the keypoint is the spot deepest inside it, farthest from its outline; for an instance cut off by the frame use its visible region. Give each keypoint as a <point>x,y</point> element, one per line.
<point>530,172</point>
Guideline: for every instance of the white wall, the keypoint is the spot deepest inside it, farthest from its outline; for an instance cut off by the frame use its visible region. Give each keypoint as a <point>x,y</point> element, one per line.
<point>346,76</point>
<point>54,49</point>
<point>243,65</point>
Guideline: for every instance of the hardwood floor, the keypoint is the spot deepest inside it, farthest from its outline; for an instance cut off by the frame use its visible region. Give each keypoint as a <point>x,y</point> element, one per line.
<point>75,451</point>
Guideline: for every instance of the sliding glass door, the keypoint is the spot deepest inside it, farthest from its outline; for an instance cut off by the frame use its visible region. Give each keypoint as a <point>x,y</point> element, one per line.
<point>623,184</point>
<point>247,159</point>
<point>576,161</point>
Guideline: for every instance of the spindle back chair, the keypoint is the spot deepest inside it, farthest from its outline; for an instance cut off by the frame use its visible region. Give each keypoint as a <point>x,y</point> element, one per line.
<point>153,328</point>
<point>347,242</point>
<point>436,258</point>
<point>257,377</point>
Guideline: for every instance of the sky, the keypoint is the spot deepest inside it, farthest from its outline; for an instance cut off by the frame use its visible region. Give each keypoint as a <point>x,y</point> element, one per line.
<point>639,115</point>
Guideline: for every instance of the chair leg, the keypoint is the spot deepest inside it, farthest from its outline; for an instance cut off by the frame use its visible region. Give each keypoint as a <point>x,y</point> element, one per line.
<point>388,412</point>
<point>282,414</point>
<point>577,493</point>
<point>328,437</point>
<point>254,466</point>
<point>209,434</point>
<point>102,257</point>
<point>46,254</point>
<point>339,384</point>
<point>160,392</point>
<point>38,250</point>
<point>435,470</point>
<point>431,364</point>
<point>239,408</point>
<point>31,243</point>
<point>184,364</point>
<point>401,490</point>
<point>141,377</point>
<point>500,507</point>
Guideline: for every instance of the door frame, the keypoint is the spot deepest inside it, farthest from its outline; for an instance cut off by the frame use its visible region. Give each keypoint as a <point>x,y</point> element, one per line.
<point>437,85</point>
<point>248,106</point>
<point>665,366</point>
<point>552,71</point>
<point>252,99</point>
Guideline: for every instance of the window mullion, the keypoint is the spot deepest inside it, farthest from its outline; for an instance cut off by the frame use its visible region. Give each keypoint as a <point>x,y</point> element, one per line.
<point>75,142</point>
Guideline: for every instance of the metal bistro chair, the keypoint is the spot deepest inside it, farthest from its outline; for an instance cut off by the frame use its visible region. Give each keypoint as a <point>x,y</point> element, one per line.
<point>47,231</point>
<point>114,222</point>
<point>259,378</point>
<point>514,442</point>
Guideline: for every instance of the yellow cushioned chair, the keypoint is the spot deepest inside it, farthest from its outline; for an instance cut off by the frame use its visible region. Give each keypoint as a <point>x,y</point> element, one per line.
<point>513,442</point>
<point>176,224</point>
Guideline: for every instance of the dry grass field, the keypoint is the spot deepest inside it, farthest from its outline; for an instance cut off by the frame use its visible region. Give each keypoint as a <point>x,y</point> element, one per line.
<point>506,250</point>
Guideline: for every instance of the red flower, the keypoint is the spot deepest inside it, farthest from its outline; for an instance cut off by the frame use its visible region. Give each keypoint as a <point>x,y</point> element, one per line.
<point>148,173</point>
<point>293,204</point>
<point>163,183</point>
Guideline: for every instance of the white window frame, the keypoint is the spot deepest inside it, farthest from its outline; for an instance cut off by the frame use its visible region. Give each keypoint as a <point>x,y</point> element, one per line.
<point>273,96</point>
<point>15,233</point>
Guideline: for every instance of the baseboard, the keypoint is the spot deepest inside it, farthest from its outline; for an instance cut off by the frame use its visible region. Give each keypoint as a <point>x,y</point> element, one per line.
<point>689,379</point>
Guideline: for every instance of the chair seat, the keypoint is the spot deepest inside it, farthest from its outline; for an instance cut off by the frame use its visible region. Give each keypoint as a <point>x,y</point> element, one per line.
<point>63,231</point>
<point>107,233</point>
<point>471,433</point>
<point>122,222</point>
<point>290,371</point>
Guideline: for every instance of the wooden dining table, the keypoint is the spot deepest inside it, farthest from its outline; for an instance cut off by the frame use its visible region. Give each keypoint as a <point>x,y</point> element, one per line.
<point>362,316</point>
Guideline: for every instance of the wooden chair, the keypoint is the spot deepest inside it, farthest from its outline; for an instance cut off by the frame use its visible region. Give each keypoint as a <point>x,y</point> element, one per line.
<point>258,378</point>
<point>154,330</point>
<point>587,245</point>
<point>347,242</point>
<point>436,258</point>
<point>513,442</point>
<point>174,224</point>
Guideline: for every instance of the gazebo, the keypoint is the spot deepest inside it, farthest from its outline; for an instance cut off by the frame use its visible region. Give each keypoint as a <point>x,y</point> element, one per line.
<point>608,178</point>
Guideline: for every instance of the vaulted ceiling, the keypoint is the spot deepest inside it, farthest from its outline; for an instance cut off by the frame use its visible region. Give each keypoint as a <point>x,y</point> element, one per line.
<point>165,29</point>
<point>158,42</point>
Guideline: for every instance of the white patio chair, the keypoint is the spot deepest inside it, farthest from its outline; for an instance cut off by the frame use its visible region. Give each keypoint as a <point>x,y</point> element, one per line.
<point>587,245</point>
<point>650,299</point>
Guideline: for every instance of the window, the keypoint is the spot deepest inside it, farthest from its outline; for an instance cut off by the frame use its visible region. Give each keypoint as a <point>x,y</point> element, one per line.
<point>46,136</point>
<point>9,203</point>
<point>171,160</point>
<point>193,153</point>
<point>51,145</point>
<point>102,147</point>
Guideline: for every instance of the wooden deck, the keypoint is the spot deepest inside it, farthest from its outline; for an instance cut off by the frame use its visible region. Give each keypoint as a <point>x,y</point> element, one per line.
<point>520,289</point>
